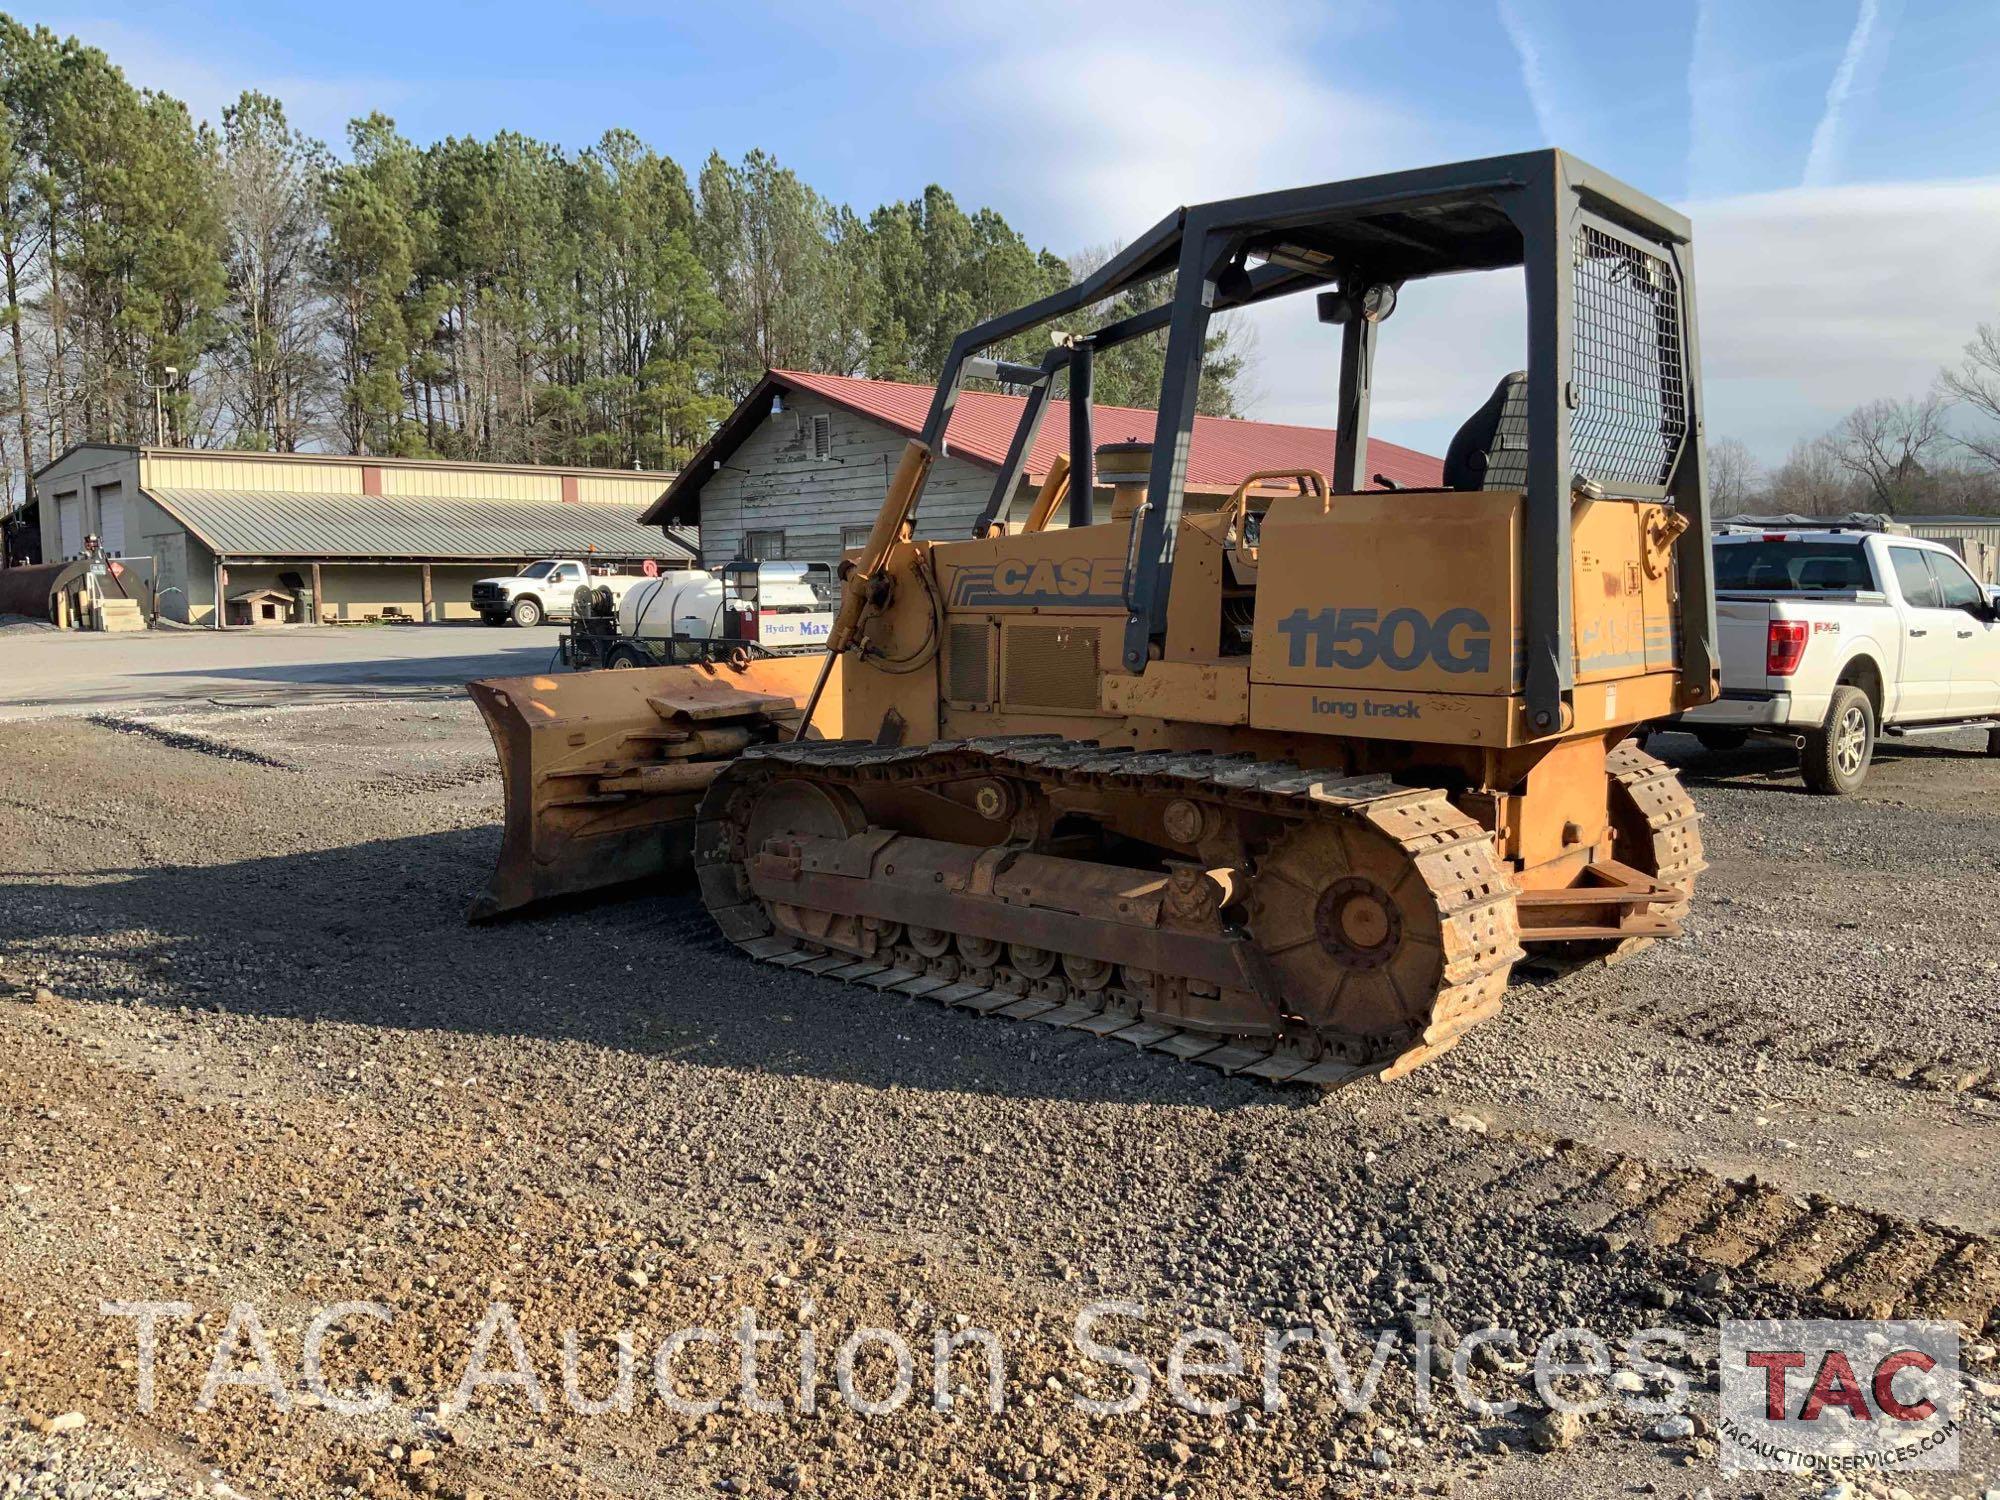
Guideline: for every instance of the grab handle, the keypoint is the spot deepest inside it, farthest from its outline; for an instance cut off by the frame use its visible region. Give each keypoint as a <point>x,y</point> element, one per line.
<point>1309,481</point>
<point>1132,551</point>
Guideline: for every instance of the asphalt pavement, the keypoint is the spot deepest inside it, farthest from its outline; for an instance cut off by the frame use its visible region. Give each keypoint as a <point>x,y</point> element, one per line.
<point>46,673</point>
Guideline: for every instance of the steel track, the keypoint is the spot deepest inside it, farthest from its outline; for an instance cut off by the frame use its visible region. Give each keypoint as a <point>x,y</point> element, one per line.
<point>1452,855</point>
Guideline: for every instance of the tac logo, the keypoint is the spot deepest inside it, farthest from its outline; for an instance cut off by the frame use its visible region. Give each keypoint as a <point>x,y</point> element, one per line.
<point>1820,1394</point>
<point>1459,640</point>
<point>1086,581</point>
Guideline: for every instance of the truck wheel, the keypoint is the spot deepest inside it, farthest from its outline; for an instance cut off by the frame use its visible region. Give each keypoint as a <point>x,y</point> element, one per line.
<point>527,613</point>
<point>1993,742</point>
<point>486,619</point>
<point>1836,755</point>
<point>1722,739</point>
<point>621,657</point>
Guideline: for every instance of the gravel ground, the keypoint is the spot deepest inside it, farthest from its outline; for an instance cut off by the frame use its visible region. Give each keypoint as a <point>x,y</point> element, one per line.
<point>253,1055</point>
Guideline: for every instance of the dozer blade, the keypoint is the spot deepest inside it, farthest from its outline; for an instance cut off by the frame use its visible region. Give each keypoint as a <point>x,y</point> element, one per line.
<point>602,771</point>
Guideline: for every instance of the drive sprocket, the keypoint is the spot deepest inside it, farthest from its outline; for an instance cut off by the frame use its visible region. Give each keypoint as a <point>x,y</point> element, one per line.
<point>1390,932</point>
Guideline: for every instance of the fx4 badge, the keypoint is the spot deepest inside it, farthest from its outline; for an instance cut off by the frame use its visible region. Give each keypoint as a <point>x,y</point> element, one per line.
<point>1088,581</point>
<point>1459,640</point>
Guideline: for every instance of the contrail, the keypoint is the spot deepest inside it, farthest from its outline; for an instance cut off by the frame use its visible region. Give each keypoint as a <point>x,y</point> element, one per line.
<point>1533,76</point>
<point>1823,159</point>
<point>1703,95</point>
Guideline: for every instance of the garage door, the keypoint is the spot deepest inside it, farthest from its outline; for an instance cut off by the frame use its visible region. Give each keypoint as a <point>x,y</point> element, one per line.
<point>69,526</point>
<point>111,520</point>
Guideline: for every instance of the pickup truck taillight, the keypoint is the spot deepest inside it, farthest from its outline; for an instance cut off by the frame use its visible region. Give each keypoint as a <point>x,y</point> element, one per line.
<point>1785,647</point>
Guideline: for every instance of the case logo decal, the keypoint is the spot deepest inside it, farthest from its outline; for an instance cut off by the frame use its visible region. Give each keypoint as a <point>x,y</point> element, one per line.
<point>1087,581</point>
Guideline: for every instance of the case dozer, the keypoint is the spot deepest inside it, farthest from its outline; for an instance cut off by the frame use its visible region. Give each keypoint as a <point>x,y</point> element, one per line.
<point>1285,786</point>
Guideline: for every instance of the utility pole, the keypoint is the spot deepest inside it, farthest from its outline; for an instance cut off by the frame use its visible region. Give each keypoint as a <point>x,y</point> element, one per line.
<point>159,409</point>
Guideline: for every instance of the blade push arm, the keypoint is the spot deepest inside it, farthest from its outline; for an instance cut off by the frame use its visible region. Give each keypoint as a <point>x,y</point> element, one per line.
<point>898,506</point>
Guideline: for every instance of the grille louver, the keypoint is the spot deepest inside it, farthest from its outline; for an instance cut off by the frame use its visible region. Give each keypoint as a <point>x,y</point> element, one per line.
<point>1052,666</point>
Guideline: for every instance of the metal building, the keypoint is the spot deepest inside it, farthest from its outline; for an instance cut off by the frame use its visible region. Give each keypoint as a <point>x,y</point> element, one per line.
<point>358,538</point>
<point>1976,539</point>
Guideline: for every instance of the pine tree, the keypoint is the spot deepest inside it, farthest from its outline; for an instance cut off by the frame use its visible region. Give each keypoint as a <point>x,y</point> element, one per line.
<point>497,299</point>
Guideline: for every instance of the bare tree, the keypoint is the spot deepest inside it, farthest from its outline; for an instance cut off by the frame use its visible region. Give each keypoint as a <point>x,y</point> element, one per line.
<point>1812,481</point>
<point>1889,445</point>
<point>1962,488</point>
<point>1976,383</point>
<point>276,384</point>
<point>1735,478</point>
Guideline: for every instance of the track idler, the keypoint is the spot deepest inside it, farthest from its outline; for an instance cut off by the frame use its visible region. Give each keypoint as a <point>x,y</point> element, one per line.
<point>602,771</point>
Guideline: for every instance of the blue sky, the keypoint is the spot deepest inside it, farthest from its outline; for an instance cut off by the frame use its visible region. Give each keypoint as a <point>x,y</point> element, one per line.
<point>1838,155</point>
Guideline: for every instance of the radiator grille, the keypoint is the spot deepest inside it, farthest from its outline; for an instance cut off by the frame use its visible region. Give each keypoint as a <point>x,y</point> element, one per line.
<point>1052,666</point>
<point>969,662</point>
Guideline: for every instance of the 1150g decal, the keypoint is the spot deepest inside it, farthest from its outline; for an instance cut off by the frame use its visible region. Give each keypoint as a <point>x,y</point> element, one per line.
<point>1459,640</point>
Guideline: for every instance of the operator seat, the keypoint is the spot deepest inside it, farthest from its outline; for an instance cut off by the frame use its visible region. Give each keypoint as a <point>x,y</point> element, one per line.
<point>1490,452</point>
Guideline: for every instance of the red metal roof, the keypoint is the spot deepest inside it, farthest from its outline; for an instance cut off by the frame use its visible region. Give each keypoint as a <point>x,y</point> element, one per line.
<point>1223,449</point>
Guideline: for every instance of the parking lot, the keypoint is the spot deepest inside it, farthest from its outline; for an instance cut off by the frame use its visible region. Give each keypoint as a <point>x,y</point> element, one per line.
<point>57,672</point>
<point>257,1056</point>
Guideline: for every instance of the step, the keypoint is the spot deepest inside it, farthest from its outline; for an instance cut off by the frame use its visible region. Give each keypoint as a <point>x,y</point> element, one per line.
<point>1961,726</point>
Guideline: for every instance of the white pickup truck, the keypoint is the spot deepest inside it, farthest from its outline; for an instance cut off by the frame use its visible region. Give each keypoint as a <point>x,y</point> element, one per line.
<point>1834,637</point>
<point>544,590</point>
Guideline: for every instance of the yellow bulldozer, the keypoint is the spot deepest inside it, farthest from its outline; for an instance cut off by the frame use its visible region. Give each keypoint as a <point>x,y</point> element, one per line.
<point>1284,787</point>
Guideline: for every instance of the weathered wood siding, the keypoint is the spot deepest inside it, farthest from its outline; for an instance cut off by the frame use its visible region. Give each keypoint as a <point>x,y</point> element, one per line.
<point>772,482</point>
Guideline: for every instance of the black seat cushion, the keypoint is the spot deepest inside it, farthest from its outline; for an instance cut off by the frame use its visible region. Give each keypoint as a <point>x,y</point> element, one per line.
<point>1490,452</point>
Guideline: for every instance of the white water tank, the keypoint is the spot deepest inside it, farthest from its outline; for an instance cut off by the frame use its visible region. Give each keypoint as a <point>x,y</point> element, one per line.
<point>687,603</point>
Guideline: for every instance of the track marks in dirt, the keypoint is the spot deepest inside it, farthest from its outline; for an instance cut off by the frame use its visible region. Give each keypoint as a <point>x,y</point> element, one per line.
<point>181,739</point>
<point>423,783</point>
<point>1807,1249</point>
<point>1737,1026</point>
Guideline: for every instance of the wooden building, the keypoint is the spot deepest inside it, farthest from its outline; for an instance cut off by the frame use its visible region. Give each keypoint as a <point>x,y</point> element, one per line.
<point>800,467</point>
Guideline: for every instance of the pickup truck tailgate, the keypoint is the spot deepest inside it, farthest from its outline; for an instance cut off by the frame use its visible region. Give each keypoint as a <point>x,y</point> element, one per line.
<point>1742,629</point>
<point>1833,629</point>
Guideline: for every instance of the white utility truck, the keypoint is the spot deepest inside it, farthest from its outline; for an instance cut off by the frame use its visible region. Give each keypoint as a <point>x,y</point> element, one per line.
<point>1833,637</point>
<point>545,590</point>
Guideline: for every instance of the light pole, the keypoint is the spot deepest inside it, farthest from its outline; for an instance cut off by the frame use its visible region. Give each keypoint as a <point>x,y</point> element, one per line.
<point>159,411</point>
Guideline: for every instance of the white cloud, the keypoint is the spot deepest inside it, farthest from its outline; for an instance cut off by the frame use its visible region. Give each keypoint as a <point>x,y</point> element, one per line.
<point>208,81</point>
<point>1094,121</point>
<point>1104,118</point>
<point>1815,300</point>
<point>1811,301</point>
